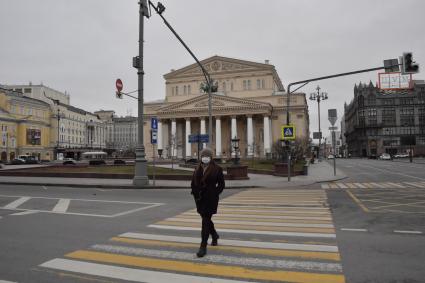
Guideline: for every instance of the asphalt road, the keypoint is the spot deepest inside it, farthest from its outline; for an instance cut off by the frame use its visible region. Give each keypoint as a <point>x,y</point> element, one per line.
<point>368,227</point>
<point>379,214</point>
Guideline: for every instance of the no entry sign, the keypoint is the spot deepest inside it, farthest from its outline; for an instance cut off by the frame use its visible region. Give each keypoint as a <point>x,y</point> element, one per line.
<point>119,85</point>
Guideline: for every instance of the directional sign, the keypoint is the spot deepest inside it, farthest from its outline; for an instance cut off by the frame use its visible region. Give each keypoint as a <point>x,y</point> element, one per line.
<point>204,138</point>
<point>193,138</point>
<point>154,137</point>
<point>119,85</point>
<point>154,124</point>
<point>288,132</point>
<point>333,128</point>
<point>332,116</point>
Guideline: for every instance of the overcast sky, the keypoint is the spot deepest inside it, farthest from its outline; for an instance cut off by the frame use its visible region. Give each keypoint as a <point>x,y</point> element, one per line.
<point>82,46</point>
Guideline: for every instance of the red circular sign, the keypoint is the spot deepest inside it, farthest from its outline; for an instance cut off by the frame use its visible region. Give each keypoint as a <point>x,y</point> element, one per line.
<point>119,84</point>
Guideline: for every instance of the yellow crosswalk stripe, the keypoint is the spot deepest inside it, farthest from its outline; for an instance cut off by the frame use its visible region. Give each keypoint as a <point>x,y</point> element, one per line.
<point>243,250</point>
<point>206,268</point>
<point>252,227</point>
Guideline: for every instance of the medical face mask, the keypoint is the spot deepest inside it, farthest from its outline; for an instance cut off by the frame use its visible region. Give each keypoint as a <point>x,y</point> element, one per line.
<point>206,159</point>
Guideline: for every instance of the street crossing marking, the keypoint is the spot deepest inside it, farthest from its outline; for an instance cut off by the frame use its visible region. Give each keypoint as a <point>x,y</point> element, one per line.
<point>26,212</point>
<point>206,268</point>
<point>14,204</point>
<point>62,205</point>
<point>303,248</point>
<point>373,185</point>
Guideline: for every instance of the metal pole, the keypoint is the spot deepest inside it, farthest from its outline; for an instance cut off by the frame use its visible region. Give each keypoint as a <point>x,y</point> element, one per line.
<point>140,171</point>
<point>320,130</point>
<point>288,142</point>
<point>153,149</point>
<point>209,116</point>
<point>57,150</point>
<point>334,145</point>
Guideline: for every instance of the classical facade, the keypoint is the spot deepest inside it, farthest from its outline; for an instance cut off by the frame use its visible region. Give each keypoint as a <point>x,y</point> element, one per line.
<point>25,127</point>
<point>391,121</point>
<point>250,105</point>
<point>71,130</point>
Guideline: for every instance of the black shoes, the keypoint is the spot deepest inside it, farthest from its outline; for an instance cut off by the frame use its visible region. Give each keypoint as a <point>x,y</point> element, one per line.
<point>215,240</point>
<point>202,251</point>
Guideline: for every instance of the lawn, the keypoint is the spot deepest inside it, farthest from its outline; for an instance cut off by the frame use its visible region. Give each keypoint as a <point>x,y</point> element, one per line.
<point>109,170</point>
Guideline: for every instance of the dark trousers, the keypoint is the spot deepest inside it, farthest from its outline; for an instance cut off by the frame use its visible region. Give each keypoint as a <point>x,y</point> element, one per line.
<point>207,229</point>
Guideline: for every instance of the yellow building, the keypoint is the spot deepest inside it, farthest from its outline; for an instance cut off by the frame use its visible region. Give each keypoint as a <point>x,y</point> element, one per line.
<point>250,105</point>
<point>25,127</point>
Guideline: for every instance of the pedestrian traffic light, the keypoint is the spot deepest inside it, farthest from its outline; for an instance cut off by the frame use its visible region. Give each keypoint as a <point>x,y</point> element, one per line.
<point>408,65</point>
<point>118,94</point>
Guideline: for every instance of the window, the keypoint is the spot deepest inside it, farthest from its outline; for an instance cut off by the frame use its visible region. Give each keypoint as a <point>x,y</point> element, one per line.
<point>177,90</point>
<point>231,86</point>
<point>184,90</point>
<point>224,86</point>
<point>244,85</point>
<point>371,112</point>
<point>388,101</point>
<point>406,101</point>
<point>33,137</point>
<point>249,84</point>
<point>258,84</point>
<point>263,84</point>
<point>27,90</point>
<point>188,89</point>
<point>18,90</point>
<point>361,101</point>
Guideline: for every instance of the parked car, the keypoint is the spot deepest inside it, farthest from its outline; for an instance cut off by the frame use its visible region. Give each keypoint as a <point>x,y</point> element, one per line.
<point>385,156</point>
<point>17,161</point>
<point>119,162</point>
<point>401,155</point>
<point>31,160</point>
<point>69,161</point>
<point>331,156</point>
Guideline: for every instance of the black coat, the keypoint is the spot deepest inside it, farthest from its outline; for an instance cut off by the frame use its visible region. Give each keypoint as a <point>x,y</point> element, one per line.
<point>206,188</point>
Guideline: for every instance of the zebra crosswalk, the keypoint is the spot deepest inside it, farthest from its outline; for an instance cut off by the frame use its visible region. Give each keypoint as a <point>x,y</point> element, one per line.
<point>265,235</point>
<point>373,185</point>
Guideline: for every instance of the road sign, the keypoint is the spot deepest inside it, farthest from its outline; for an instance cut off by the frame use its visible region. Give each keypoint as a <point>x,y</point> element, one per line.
<point>332,116</point>
<point>193,138</point>
<point>154,123</point>
<point>204,138</point>
<point>317,135</point>
<point>333,128</point>
<point>119,85</point>
<point>288,132</point>
<point>154,137</point>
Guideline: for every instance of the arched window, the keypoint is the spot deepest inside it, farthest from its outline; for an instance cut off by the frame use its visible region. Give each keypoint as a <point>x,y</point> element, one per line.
<point>361,101</point>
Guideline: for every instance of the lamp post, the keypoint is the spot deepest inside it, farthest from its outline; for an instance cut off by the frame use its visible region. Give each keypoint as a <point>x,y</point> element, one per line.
<point>235,145</point>
<point>319,96</point>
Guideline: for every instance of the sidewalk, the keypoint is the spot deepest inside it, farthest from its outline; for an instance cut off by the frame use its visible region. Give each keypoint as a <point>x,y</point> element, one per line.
<point>318,172</point>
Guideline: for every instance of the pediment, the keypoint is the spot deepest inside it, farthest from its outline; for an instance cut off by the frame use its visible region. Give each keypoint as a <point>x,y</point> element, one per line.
<point>216,65</point>
<point>218,102</point>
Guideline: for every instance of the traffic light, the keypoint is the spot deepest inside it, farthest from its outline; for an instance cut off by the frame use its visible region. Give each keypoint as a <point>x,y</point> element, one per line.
<point>408,65</point>
<point>118,94</point>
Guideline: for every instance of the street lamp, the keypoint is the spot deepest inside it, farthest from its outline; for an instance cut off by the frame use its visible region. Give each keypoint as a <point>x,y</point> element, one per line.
<point>235,145</point>
<point>319,96</point>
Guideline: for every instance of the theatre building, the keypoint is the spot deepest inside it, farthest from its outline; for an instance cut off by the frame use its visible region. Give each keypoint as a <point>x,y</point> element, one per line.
<point>250,105</point>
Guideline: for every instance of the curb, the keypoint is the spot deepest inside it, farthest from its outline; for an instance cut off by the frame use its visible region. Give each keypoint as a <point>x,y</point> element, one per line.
<point>121,187</point>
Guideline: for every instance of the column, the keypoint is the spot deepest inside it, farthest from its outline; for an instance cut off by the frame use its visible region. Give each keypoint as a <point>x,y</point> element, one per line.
<point>203,130</point>
<point>217,137</point>
<point>173,137</point>
<point>234,132</point>
<point>250,136</point>
<point>159,145</point>
<point>188,145</point>
<point>266,135</point>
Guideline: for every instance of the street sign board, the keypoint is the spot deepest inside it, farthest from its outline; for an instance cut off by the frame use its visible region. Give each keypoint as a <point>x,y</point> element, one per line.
<point>119,85</point>
<point>333,128</point>
<point>198,138</point>
<point>332,116</point>
<point>317,135</point>
<point>288,132</point>
<point>154,123</point>
<point>154,137</point>
<point>391,65</point>
<point>204,138</point>
<point>193,138</point>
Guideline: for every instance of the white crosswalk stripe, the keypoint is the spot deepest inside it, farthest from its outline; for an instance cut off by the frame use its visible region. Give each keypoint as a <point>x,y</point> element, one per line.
<point>373,185</point>
<point>288,217</point>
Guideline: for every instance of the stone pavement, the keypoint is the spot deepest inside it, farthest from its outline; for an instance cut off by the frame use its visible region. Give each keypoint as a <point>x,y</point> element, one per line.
<point>318,172</point>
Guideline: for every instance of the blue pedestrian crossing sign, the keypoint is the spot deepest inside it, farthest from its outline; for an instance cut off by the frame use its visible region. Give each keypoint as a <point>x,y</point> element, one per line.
<point>288,132</point>
<point>154,124</point>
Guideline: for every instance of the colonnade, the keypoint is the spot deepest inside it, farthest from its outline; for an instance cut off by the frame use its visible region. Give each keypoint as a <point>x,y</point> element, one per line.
<point>217,133</point>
